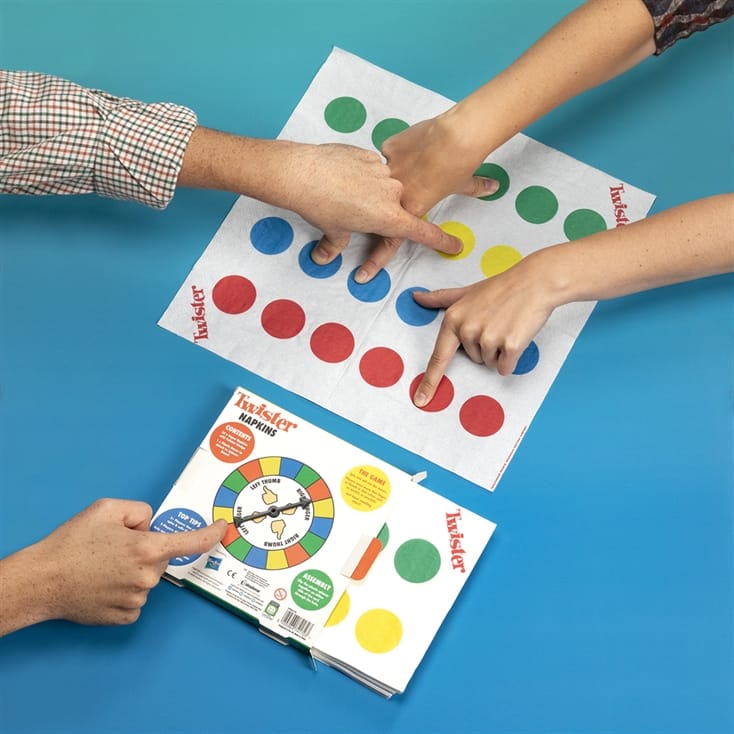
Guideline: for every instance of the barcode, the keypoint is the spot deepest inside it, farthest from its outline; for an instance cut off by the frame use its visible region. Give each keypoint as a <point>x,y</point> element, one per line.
<point>296,623</point>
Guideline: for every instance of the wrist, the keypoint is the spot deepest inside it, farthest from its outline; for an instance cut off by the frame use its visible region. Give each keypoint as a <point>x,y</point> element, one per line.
<point>466,132</point>
<point>226,162</point>
<point>27,579</point>
<point>548,267</point>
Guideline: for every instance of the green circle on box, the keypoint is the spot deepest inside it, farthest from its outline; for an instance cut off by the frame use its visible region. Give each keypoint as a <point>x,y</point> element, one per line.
<point>312,590</point>
<point>417,561</point>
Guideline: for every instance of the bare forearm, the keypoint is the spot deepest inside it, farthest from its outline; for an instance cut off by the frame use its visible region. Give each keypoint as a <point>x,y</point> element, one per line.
<point>23,584</point>
<point>690,241</point>
<point>250,166</point>
<point>594,43</point>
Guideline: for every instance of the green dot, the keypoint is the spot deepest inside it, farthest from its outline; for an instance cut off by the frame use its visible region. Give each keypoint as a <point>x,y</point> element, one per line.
<point>312,590</point>
<point>536,204</point>
<point>492,170</point>
<point>386,129</point>
<point>417,561</point>
<point>384,536</point>
<point>345,114</point>
<point>583,222</point>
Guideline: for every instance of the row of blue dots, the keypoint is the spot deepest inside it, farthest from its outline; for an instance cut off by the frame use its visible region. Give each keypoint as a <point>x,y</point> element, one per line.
<point>274,235</point>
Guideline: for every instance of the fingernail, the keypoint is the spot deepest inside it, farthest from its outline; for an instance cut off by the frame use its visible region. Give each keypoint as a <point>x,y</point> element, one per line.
<point>361,276</point>
<point>319,255</point>
<point>420,399</point>
<point>491,186</point>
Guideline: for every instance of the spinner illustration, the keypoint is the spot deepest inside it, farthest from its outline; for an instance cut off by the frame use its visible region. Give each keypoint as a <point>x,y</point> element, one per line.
<point>280,512</point>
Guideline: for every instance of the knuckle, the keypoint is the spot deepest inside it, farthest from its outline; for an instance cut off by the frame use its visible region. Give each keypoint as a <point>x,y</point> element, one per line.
<point>393,244</point>
<point>137,599</point>
<point>103,504</point>
<point>146,550</point>
<point>453,320</point>
<point>128,616</point>
<point>150,579</point>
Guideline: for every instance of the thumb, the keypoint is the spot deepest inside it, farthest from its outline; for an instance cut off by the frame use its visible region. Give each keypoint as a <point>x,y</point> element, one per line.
<point>328,247</point>
<point>478,186</point>
<point>189,542</point>
<point>442,298</point>
<point>136,515</point>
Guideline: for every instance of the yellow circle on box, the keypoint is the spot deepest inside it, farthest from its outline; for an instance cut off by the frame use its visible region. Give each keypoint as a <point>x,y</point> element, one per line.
<point>457,229</point>
<point>378,631</point>
<point>499,258</point>
<point>365,488</point>
<point>340,611</point>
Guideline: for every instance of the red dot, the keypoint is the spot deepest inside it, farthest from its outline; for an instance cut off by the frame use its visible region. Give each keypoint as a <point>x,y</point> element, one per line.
<point>481,415</point>
<point>283,319</point>
<point>442,397</point>
<point>233,294</point>
<point>332,342</point>
<point>381,367</point>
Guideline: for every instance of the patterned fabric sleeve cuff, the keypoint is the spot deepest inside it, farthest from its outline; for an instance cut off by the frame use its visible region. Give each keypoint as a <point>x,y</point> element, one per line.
<point>57,137</point>
<point>141,151</point>
<point>678,19</point>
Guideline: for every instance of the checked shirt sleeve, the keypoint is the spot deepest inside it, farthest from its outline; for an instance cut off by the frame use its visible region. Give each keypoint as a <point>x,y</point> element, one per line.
<point>677,19</point>
<point>57,137</point>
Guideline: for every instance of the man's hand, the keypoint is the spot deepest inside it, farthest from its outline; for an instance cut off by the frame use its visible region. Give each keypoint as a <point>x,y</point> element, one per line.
<point>339,189</point>
<point>96,568</point>
<point>432,160</point>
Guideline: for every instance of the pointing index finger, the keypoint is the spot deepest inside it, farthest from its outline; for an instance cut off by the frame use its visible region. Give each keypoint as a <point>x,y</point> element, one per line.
<point>431,235</point>
<point>189,542</point>
<point>443,352</point>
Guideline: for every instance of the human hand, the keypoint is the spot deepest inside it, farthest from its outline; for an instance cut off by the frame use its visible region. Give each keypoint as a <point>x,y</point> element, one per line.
<point>338,188</point>
<point>494,320</point>
<point>432,160</point>
<point>99,566</point>
<point>344,189</point>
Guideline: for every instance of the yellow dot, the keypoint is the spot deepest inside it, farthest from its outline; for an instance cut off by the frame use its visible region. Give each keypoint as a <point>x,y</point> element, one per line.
<point>498,259</point>
<point>457,229</point>
<point>365,488</point>
<point>378,631</point>
<point>340,611</point>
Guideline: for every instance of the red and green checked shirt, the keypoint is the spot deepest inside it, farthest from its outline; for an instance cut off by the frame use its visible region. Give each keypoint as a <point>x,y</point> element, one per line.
<point>57,137</point>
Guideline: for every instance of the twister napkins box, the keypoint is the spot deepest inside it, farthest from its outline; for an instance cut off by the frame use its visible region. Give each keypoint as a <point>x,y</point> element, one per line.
<point>327,547</point>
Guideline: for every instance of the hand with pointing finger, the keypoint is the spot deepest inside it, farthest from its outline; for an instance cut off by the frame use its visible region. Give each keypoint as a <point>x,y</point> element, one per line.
<point>432,161</point>
<point>337,188</point>
<point>352,190</point>
<point>96,568</point>
<point>494,320</point>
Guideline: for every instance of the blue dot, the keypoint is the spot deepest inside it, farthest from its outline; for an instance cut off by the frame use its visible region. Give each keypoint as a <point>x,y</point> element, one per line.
<point>374,290</point>
<point>528,359</point>
<point>271,235</point>
<point>311,268</point>
<point>411,312</point>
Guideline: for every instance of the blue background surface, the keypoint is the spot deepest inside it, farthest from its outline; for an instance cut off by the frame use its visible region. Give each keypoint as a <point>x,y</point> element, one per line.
<point>604,601</point>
